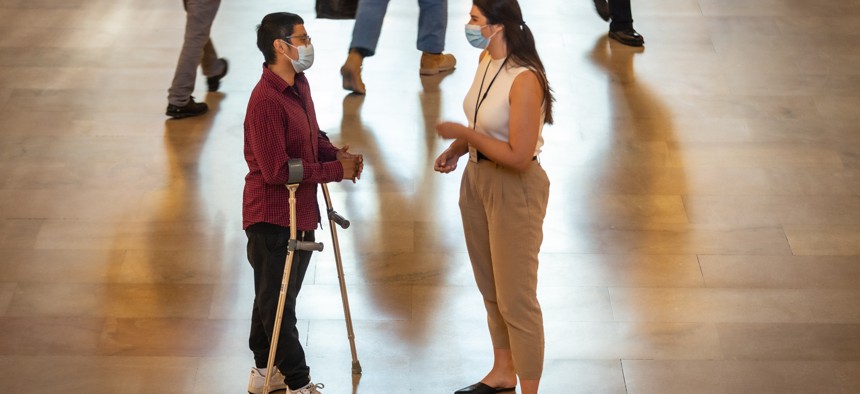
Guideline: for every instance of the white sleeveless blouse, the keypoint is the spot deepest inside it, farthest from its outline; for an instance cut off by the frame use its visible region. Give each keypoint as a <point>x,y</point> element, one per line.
<point>494,110</point>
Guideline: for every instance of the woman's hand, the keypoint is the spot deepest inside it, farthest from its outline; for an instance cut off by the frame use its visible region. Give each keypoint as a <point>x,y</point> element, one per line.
<point>446,162</point>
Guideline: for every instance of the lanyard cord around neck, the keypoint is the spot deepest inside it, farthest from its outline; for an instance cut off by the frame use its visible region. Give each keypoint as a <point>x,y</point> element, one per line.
<point>480,99</point>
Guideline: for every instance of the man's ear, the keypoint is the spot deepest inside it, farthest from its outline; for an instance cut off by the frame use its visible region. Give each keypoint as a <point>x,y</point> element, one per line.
<point>278,46</point>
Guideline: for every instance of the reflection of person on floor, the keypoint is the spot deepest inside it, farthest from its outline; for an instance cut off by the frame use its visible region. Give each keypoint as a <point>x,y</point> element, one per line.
<point>504,191</point>
<point>280,125</point>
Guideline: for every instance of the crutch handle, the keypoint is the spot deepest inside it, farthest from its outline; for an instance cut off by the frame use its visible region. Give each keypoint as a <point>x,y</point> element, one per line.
<point>340,220</point>
<point>309,246</point>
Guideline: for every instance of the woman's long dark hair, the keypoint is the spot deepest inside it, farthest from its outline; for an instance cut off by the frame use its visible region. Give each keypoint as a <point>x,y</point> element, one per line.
<point>521,42</point>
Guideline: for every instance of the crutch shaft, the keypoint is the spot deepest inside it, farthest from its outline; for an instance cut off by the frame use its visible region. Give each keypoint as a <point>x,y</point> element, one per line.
<point>285,281</point>
<point>356,366</point>
<point>276,332</point>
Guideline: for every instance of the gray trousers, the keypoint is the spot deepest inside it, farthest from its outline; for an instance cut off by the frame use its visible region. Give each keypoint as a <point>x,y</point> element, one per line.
<point>197,50</point>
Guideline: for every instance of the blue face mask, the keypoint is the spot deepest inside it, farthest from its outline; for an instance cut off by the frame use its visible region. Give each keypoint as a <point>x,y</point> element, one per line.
<point>473,34</point>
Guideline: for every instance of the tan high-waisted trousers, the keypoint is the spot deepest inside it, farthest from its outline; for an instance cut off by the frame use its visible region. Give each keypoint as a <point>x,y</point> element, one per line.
<point>503,212</point>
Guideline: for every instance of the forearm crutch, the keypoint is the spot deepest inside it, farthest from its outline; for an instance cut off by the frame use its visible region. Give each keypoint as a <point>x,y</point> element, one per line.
<point>335,218</point>
<point>296,173</point>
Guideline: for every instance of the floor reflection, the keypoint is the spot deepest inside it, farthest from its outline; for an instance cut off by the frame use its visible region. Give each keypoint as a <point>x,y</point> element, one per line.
<point>166,277</point>
<point>631,157</point>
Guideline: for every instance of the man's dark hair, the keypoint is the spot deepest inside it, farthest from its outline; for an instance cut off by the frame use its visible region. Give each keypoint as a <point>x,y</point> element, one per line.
<point>275,26</point>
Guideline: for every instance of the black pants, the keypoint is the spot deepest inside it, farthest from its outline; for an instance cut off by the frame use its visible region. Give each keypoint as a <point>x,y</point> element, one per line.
<point>267,251</point>
<point>622,16</point>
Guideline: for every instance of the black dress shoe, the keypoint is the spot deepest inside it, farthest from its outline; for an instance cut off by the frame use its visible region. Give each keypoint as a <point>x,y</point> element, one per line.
<point>191,109</point>
<point>215,81</point>
<point>480,388</point>
<point>627,37</point>
<point>602,7</point>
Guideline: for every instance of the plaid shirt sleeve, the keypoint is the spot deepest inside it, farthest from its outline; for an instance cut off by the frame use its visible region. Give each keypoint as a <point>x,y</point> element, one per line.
<point>330,171</point>
<point>270,148</point>
<point>327,151</point>
<point>268,142</point>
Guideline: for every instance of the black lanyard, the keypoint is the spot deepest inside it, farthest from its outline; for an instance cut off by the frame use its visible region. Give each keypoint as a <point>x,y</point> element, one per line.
<point>480,99</point>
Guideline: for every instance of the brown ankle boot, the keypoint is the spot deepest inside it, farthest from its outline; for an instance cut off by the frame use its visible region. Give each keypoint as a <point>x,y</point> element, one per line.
<point>351,73</point>
<point>435,63</point>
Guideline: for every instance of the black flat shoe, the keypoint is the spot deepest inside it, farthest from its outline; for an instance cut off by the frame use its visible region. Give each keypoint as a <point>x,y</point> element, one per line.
<point>480,388</point>
<point>627,37</point>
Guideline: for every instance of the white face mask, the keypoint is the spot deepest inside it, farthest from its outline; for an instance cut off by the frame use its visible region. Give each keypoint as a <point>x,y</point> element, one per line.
<point>306,57</point>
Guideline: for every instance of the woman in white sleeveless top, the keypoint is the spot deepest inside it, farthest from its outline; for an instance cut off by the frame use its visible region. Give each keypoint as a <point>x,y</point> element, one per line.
<point>504,191</point>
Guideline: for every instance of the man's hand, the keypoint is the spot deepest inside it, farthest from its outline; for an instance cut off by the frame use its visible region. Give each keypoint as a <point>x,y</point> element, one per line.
<point>353,164</point>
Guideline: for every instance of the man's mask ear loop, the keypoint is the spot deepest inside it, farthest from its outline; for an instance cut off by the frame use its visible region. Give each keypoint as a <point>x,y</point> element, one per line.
<point>284,52</point>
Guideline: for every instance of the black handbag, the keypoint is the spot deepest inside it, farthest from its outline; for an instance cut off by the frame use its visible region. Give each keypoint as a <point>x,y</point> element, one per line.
<point>336,9</point>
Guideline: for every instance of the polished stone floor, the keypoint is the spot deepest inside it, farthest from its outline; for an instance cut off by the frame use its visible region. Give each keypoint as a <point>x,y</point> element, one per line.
<point>703,232</point>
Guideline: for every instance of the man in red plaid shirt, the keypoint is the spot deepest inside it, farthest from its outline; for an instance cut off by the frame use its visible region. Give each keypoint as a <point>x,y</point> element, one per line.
<point>281,126</point>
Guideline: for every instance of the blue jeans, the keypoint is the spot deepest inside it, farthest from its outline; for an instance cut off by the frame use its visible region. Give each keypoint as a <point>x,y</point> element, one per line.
<point>432,22</point>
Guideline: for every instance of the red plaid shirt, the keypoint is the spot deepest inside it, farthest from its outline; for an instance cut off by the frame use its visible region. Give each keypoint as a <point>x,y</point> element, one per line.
<point>281,124</point>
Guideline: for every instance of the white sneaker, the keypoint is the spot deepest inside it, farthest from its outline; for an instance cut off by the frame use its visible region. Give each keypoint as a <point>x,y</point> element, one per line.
<point>311,388</point>
<point>257,381</point>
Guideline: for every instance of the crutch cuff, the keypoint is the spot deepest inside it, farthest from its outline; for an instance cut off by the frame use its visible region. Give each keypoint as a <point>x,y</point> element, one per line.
<point>296,171</point>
